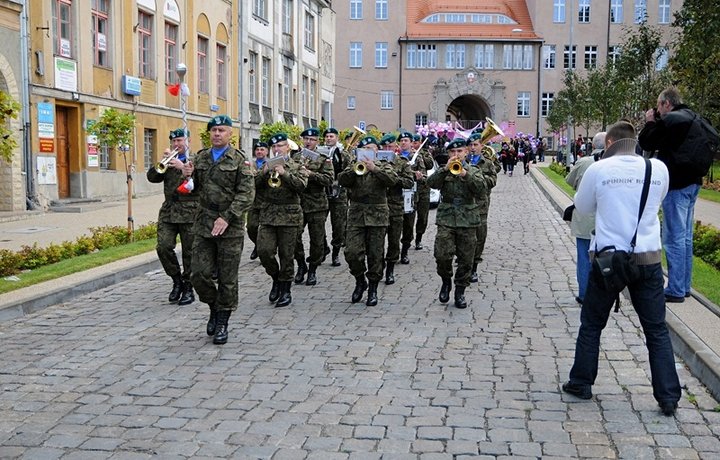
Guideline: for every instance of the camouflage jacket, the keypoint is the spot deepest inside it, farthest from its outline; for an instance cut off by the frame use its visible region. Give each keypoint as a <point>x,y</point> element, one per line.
<point>368,195</point>
<point>281,206</point>
<point>461,197</point>
<point>314,198</point>
<point>487,167</point>
<point>426,160</point>
<point>340,160</point>
<point>177,208</point>
<point>405,179</point>
<point>226,189</point>
<point>260,194</point>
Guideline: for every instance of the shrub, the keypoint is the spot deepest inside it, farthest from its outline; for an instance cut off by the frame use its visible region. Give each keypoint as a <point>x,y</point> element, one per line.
<point>84,245</point>
<point>32,257</point>
<point>146,232</point>
<point>9,262</point>
<point>559,168</point>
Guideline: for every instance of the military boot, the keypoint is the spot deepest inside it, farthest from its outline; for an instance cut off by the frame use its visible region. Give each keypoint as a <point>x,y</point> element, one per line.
<point>188,295</point>
<point>418,242</point>
<point>301,271</point>
<point>274,290</point>
<point>335,257</point>
<point>176,289</point>
<point>212,321</point>
<point>311,276</point>
<point>445,290</point>
<point>473,274</point>
<point>326,251</point>
<point>372,299</point>
<point>404,259</point>
<point>285,297</point>
<point>254,254</point>
<point>221,331</point>
<point>460,297</point>
<point>360,286</point>
<point>390,273</point>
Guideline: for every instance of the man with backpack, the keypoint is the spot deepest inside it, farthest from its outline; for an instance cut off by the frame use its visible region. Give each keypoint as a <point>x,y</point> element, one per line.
<point>685,142</point>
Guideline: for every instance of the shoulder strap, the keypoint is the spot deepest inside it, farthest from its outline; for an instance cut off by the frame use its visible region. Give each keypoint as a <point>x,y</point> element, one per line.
<point>643,199</point>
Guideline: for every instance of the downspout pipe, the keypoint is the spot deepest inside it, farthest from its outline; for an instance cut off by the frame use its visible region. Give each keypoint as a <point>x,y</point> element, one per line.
<point>27,167</point>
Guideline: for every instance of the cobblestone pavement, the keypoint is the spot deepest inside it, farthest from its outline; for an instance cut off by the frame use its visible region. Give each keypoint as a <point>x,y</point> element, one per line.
<point>123,374</point>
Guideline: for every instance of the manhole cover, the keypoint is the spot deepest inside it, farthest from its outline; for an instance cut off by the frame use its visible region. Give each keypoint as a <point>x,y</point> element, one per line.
<point>27,230</point>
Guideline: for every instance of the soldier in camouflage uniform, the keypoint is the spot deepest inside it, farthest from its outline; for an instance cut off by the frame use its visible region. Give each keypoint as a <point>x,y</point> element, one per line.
<point>367,222</point>
<point>223,179</point>
<point>260,153</point>
<point>423,192</point>
<point>457,221</point>
<point>337,196</point>
<point>281,219</point>
<point>315,207</point>
<point>486,160</point>
<point>176,217</point>
<point>417,165</point>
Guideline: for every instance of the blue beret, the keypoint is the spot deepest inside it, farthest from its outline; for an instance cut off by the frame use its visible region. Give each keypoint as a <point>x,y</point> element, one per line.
<point>405,135</point>
<point>457,143</point>
<point>279,137</point>
<point>417,137</point>
<point>220,120</point>
<point>367,140</point>
<point>310,132</point>
<point>331,131</point>
<point>387,139</point>
<point>261,144</point>
<point>174,134</point>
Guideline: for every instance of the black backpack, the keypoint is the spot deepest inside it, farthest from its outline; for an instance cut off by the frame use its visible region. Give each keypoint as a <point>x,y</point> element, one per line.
<point>699,148</point>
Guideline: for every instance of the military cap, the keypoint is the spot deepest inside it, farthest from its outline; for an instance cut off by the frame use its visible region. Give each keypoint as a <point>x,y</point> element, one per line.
<point>219,120</point>
<point>261,144</point>
<point>331,131</point>
<point>310,132</point>
<point>367,140</point>
<point>417,137</point>
<point>279,137</point>
<point>387,139</point>
<point>174,134</point>
<point>474,137</point>
<point>456,143</point>
<point>478,130</point>
<point>405,135</point>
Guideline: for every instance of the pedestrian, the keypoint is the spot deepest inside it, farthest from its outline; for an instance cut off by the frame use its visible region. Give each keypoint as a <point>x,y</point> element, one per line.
<point>423,190</point>
<point>612,188</point>
<point>223,180</point>
<point>665,132</point>
<point>260,152</point>
<point>176,216</point>
<point>410,196</point>
<point>337,195</point>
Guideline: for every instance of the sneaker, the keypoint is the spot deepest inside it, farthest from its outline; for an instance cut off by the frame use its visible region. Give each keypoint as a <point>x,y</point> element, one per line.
<point>668,408</point>
<point>674,299</point>
<point>581,391</point>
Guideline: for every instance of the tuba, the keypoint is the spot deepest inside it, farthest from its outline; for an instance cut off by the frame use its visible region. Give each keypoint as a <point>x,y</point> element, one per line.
<point>162,166</point>
<point>355,138</point>
<point>491,130</point>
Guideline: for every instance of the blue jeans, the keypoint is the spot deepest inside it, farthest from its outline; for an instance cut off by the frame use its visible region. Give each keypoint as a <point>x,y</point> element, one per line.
<point>677,237</point>
<point>648,300</point>
<point>582,269</point>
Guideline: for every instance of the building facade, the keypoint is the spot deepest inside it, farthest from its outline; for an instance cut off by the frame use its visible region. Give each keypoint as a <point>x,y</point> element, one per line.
<point>410,62</point>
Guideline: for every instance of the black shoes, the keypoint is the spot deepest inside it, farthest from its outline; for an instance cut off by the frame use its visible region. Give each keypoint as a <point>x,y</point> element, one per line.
<point>311,276</point>
<point>335,257</point>
<point>274,291</point>
<point>372,299</point>
<point>418,244</point>
<point>188,296</point>
<point>212,322</point>
<point>301,271</point>
<point>445,290</point>
<point>460,297</point>
<point>253,254</point>
<point>674,299</point>
<point>177,289</point>
<point>285,297</point>
<point>668,408</point>
<point>473,275</point>
<point>221,330</point>
<point>360,286</point>
<point>580,391</point>
<point>404,259</point>
<point>390,273</point>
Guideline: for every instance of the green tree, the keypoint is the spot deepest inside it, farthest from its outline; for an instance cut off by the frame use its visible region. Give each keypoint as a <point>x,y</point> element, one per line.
<point>9,109</point>
<point>292,131</point>
<point>606,93</point>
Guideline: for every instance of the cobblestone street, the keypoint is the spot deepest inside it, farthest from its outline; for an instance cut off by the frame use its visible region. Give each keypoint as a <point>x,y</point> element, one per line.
<point>123,374</point>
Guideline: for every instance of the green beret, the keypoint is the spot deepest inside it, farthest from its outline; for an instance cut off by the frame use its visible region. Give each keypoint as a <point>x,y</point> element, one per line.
<point>387,139</point>
<point>405,135</point>
<point>367,140</point>
<point>279,137</point>
<point>331,131</point>
<point>220,120</point>
<point>261,144</point>
<point>456,143</point>
<point>474,137</point>
<point>310,132</point>
<point>417,137</point>
<point>174,134</point>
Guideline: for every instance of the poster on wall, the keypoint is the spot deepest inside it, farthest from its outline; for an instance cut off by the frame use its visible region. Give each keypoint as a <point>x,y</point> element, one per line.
<point>46,170</point>
<point>92,152</point>
<point>65,74</point>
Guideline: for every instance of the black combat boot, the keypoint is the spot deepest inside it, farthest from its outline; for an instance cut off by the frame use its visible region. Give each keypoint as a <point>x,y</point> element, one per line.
<point>212,321</point>
<point>445,290</point>
<point>390,273</point>
<point>301,271</point>
<point>253,254</point>
<point>418,242</point>
<point>473,274</point>
<point>360,286</point>
<point>335,257</point>
<point>188,295</point>
<point>460,297</point>
<point>285,297</point>
<point>274,290</point>
<point>176,289</point>
<point>312,276</point>
<point>326,250</point>
<point>221,331</point>
<point>404,259</point>
<point>372,294</point>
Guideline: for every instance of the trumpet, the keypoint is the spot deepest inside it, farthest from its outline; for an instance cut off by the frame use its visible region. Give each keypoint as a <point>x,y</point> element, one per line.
<point>455,167</point>
<point>274,180</point>
<point>360,168</point>
<point>162,166</point>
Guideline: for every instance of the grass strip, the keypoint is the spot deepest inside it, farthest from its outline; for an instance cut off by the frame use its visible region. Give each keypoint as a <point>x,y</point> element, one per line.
<point>558,180</point>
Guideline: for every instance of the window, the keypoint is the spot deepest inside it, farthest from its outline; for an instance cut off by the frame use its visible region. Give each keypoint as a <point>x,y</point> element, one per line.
<point>613,54</point>
<point>591,55</point>
<point>381,10</point>
<point>62,27</point>
<point>355,55</point>
<point>558,10</point>
<point>260,9</point>
<point>287,11</point>
<point>265,88</point>
<point>253,70</point>
<point>507,56</point>
<point>287,85</point>
<point>351,102</point>
<point>661,58</point>
<point>145,45</point>
<point>484,56</point>
<point>549,56</point>
<point>171,35</point>
<point>523,104</point>
<point>148,147</point>
<point>309,31</point>
<point>454,56</point>
<point>616,11</point>
<point>640,11</point>
<point>304,96</point>
<point>546,103</point>
<point>356,9</point>
<point>566,57</point>
<point>421,56</point>
<point>100,33</point>
<point>381,49</point>
<point>202,65</point>
<point>517,57</point>
<point>584,11</point>
<point>313,97</point>
<point>386,100</point>
<point>527,57</point>
<point>220,60</point>
<point>664,12</point>
<point>104,156</point>
<point>421,119</point>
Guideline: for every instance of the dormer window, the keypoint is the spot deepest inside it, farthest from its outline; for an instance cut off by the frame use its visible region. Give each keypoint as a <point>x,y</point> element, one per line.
<point>468,18</point>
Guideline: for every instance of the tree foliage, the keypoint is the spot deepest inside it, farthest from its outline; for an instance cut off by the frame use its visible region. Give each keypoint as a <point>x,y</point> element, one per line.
<point>9,109</point>
<point>114,128</point>
<point>292,131</point>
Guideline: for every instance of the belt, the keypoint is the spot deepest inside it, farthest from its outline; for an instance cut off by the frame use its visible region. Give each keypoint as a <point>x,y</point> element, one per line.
<point>367,200</point>
<point>458,201</point>
<point>213,206</point>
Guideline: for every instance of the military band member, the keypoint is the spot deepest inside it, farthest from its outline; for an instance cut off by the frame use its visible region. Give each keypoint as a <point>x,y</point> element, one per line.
<point>224,182</point>
<point>337,196</point>
<point>315,207</point>
<point>260,152</point>
<point>389,142</point>
<point>423,192</point>
<point>176,217</point>
<point>367,222</point>
<point>417,165</point>
<point>457,220</point>
<point>281,218</point>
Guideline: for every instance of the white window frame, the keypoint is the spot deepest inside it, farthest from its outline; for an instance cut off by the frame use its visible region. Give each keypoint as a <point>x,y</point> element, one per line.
<point>287,17</point>
<point>549,56</point>
<point>252,78</point>
<point>260,9</point>
<point>616,11</point>
<point>386,100</point>
<point>571,58</point>
<point>546,103</point>
<point>356,52</point>
<point>523,104</point>
<point>591,57</point>
<point>381,55</point>
<point>640,11</point>
<point>614,53</point>
<point>351,103</point>
<point>584,11</point>
<point>559,11</point>
<point>356,9</point>
<point>309,31</point>
<point>286,89</point>
<point>203,69</point>
<point>381,10</point>
<point>265,82</point>
<point>221,61</point>
<point>664,12</point>
<point>101,26</point>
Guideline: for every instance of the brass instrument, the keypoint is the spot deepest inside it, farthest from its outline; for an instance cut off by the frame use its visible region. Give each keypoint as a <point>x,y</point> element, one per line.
<point>355,138</point>
<point>491,130</point>
<point>455,167</point>
<point>162,166</point>
<point>360,169</point>
<point>362,155</point>
<point>293,146</point>
<point>274,180</point>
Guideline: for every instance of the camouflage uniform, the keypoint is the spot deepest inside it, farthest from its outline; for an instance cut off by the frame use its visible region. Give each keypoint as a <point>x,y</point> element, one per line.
<point>423,200</point>
<point>396,205</point>
<point>339,204</point>
<point>409,217</point>
<point>253,217</point>
<point>490,166</point>
<point>226,189</point>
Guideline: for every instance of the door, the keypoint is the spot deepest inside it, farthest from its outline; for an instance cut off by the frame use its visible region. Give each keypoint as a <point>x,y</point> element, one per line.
<point>63,152</point>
